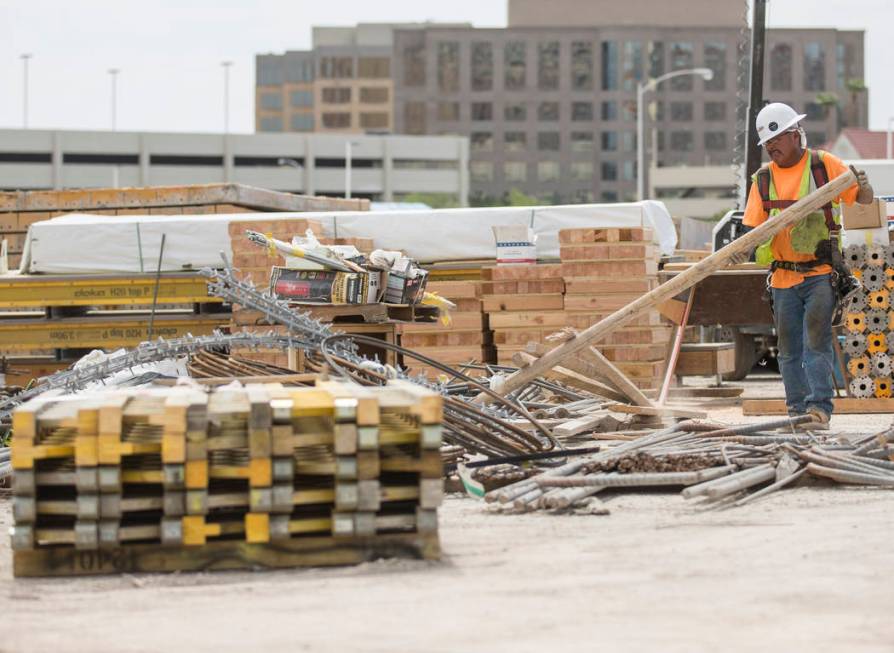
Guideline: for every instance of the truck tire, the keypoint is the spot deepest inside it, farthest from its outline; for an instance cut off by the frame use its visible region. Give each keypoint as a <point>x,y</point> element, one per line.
<point>746,355</point>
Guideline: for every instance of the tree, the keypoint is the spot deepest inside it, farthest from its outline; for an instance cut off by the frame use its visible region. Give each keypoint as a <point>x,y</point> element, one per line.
<point>434,200</point>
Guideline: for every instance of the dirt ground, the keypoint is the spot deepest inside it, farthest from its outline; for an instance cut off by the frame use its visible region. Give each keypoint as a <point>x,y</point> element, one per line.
<point>807,569</point>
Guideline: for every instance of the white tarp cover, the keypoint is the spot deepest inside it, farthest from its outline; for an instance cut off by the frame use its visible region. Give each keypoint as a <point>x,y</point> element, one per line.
<point>84,243</point>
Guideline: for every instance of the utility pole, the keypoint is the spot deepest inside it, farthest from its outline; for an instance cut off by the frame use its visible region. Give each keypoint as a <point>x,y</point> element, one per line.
<point>226,95</point>
<point>756,96</point>
<point>25,58</point>
<point>113,72</point>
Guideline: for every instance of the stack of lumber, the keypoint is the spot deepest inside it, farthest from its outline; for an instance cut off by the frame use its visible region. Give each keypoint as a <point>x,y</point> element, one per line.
<point>523,303</point>
<point>20,209</point>
<point>181,478</point>
<point>465,338</point>
<point>604,270</point>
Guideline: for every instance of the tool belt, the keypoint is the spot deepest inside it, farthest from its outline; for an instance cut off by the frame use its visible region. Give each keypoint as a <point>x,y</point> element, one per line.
<point>806,266</point>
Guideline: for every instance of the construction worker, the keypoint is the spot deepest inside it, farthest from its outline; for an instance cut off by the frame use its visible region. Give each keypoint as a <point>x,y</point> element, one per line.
<point>801,258</point>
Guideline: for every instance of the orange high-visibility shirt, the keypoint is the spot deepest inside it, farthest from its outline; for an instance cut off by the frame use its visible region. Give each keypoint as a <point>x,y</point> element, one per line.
<point>788,183</point>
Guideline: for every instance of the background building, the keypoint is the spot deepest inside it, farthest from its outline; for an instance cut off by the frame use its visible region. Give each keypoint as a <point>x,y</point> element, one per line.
<point>386,168</point>
<point>550,109</point>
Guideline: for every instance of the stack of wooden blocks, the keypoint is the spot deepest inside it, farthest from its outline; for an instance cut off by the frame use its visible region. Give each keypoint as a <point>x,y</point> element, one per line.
<point>161,479</point>
<point>466,337</point>
<point>604,270</point>
<point>523,303</point>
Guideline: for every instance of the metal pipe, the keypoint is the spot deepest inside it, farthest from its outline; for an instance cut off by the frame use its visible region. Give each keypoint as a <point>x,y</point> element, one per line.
<point>848,477</point>
<point>638,480</point>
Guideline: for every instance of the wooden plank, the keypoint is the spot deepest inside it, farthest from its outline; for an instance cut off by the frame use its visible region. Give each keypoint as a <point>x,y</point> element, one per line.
<point>571,377</point>
<point>843,406</point>
<point>539,319</point>
<point>494,303</point>
<point>657,411</point>
<point>582,424</point>
<point>617,377</point>
<point>681,282</point>
<point>529,272</point>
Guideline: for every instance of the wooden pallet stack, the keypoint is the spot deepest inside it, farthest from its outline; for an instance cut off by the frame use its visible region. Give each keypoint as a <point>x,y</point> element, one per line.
<point>523,303</point>
<point>604,270</point>
<point>164,479</point>
<point>466,338</point>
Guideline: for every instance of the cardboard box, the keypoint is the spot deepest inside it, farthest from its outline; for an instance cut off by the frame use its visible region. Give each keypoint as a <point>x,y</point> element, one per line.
<point>877,236</point>
<point>515,244</point>
<point>402,289</point>
<point>865,216</point>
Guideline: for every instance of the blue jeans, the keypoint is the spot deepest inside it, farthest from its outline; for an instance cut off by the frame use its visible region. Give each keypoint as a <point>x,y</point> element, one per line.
<point>803,316</point>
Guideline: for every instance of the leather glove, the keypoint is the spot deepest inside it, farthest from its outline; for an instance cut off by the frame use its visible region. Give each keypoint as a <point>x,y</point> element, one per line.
<point>862,179</point>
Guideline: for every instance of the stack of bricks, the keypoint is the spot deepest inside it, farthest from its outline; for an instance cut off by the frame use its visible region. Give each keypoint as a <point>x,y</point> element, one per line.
<point>523,303</point>
<point>604,270</point>
<point>466,338</point>
<point>310,468</point>
<point>255,263</point>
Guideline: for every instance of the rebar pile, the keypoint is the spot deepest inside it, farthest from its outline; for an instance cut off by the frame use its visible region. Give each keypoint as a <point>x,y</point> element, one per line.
<point>717,468</point>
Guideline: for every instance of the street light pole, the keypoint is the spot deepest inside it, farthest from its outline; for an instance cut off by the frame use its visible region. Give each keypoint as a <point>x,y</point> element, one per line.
<point>642,88</point>
<point>113,72</point>
<point>25,58</point>
<point>226,95</point>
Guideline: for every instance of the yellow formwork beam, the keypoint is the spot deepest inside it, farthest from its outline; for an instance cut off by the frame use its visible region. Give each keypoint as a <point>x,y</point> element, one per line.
<point>104,332</point>
<point>102,290</point>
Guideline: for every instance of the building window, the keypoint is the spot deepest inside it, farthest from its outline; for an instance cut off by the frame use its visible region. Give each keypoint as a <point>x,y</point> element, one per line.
<point>515,171</point>
<point>581,66</point>
<point>336,120</point>
<point>336,67</point>
<point>482,111</point>
<point>548,171</point>
<point>515,141</point>
<point>448,66</point>
<point>715,140</point>
<point>582,170</point>
<point>269,70</point>
<point>628,141</point>
<point>302,122</point>
<point>271,124</point>
<point>681,111</point>
<point>628,170</point>
<point>581,141</point>
<point>656,110</point>
<point>414,117</point>
<point>845,67</point>
<point>448,111</point>
<point>548,66</point>
<point>482,66</point>
<point>715,59</point>
<point>816,111</point>
<point>583,196</point>
<point>656,59</point>
<point>609,66</point>
<point>781,67</point>
<point>681,58</point>
<point>514,65</point>
<point>481,171</point>
<point>414,64</point>
<point>299,70</point>
<point>814,67</point>
<point>548,141</point>
<point>548,111</point>
<point>337,95</point>
<point>632,72</point>
<point>608,196</point>
<point>374,67</point>
<point>374,120</point>
<point>609,110</point>
<point>609,171</point>
<point>482,142</point>
<point>628,110</point>
<point>609,141</point>
<point>515,112</point>
<point>681,141</point>
<point>815,139</point>
<point>271,101</point>
<point>715,111</point>
<point>581,111</point>
<point>301,98</point>
<point>374,95</point>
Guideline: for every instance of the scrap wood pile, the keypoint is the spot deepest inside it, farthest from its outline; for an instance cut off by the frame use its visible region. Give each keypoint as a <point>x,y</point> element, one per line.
<point>162,479</point>
<point>717,467</point>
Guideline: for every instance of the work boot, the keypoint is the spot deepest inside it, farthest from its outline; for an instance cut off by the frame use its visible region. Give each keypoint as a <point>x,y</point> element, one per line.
<point>788,429</point>
<point>820,420</point>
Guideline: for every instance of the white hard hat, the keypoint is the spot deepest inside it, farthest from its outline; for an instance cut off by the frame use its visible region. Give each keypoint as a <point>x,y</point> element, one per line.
<point>774,119</point>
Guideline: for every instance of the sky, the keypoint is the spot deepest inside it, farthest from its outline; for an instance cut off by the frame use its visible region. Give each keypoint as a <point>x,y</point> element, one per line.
<point>169,52</point>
